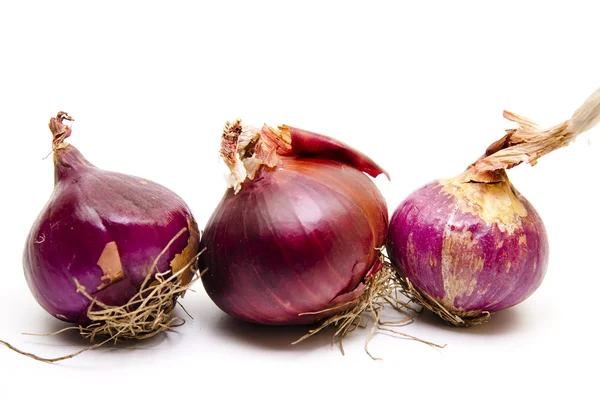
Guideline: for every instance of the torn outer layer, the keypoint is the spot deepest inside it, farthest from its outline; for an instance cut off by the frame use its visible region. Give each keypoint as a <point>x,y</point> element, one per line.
<point>306,144</point>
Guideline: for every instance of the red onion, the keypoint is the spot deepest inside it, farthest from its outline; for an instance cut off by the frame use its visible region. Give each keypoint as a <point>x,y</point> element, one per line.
<point>472,245</point>
<point>298,232</point>
<point>107,244</point>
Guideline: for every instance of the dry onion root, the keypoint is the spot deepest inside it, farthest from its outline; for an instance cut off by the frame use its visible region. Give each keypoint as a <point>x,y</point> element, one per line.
<point>435,307</point>
<point>145,315</point>
<point>381,290</point>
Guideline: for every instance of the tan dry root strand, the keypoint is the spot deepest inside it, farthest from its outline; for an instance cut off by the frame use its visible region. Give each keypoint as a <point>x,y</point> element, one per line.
<point>529,142</point>
<point>434,306</point>
<point>414,295</point>
<point>380,290</point>
<point>147,314</point>
<point>53,360</point>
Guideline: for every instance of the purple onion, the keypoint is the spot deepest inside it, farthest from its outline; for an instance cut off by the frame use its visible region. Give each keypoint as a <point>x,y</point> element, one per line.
<point>470,260</point>
<point>299,230</point>
<point>104,230</point>
<point>472,245</point>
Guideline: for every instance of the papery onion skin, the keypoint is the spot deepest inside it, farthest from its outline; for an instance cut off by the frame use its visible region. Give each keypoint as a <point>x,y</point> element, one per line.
<point>104,229</point>
<point>470,263</point>
<point>301,237</point>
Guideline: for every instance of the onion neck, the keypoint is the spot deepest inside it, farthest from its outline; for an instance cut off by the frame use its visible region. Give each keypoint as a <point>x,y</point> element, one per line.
<point>60,130</point>
<point>529,142</point>
<point>67,159</point>
<point>246,149</point>
<point>484,188</point>
<point>488,195</point>
<point>475,176</point>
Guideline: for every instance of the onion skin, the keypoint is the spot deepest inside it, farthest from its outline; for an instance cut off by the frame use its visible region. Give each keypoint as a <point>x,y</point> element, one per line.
<point>308,144</point>
<point>104,229</point>
<point>469,262</point>
<point>300,237</point>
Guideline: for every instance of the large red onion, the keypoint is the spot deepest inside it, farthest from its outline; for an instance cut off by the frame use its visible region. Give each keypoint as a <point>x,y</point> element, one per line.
<point>299,230</point>
<point>473,245</point>
<point>105,231</point>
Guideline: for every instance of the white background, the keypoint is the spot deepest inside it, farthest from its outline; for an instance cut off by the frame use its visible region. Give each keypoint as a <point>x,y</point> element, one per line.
<point>418,86</point>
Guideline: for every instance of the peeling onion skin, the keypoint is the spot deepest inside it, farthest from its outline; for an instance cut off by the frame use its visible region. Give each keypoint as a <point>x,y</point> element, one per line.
<point>300,237</point>
<point>94,221</point>
<point>469,265</point>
